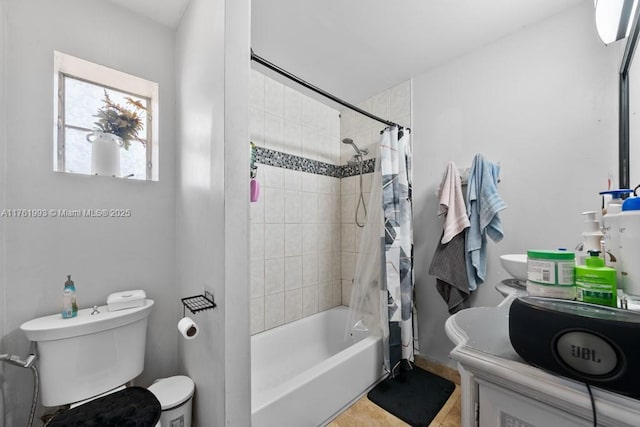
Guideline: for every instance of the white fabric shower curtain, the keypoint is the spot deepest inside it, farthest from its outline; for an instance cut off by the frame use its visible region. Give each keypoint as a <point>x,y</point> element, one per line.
<point>382,293</point>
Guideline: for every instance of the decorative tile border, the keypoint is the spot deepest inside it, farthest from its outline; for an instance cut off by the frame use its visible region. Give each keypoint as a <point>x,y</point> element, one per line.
<point>270,157</point>
<point>368,166</point>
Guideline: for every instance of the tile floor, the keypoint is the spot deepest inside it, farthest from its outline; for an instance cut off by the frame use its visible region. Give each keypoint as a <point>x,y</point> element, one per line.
<point>365,413</point>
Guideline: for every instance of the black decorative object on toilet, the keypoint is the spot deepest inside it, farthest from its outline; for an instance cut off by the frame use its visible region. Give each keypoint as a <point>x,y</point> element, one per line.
<point>131,407</point>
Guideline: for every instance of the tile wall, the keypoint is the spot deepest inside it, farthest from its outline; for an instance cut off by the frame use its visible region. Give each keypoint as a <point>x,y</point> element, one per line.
<point>393,104</point>
<point>304,240</point>
<point>295,225</point>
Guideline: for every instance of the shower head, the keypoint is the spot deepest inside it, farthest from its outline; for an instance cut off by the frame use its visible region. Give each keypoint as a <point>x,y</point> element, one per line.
<point>363,152</point>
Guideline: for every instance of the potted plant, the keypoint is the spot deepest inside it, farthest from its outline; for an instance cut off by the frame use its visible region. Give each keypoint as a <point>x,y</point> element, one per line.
<point>117,126</point>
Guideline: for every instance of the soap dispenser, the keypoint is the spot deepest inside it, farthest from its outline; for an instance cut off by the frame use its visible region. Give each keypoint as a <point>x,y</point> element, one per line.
<point>596,283</point>
<point>69,306</point>
<point>591,237</point>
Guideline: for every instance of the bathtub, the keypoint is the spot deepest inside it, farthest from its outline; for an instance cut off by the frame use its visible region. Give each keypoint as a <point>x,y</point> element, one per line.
<point>304,373</point>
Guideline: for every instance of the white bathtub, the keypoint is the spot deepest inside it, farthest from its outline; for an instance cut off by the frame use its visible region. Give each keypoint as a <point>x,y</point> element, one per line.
<point>304,373</point>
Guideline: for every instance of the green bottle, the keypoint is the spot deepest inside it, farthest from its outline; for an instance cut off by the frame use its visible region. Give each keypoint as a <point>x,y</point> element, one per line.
<point>595,283</point>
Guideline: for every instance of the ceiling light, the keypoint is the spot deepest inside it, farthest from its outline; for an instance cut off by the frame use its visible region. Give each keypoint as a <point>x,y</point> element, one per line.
<point>614,19</point>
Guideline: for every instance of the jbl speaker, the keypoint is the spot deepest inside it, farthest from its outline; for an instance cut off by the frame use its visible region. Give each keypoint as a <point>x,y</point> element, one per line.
<point>590,343</point>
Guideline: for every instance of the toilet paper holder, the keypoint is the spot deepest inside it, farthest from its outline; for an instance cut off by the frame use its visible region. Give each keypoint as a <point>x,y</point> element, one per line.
<point>198,303</point>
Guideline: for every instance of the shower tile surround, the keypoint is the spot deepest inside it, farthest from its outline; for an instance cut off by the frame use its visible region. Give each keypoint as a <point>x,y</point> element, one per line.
<point>279,159</point>
<point>303,234</point>
<point>393,104</point>
<point>295,225</point>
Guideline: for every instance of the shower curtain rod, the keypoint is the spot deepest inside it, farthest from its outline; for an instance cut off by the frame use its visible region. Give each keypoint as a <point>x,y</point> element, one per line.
<point>317,90</point>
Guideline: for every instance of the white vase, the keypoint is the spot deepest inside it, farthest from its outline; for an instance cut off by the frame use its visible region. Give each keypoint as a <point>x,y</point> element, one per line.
<point>105,153</point>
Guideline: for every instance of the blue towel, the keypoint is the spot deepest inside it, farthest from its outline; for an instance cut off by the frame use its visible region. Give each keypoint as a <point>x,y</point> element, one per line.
<point>483,205</point>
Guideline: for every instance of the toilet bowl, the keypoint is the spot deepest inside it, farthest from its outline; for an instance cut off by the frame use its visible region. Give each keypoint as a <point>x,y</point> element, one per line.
<point>175,396</point>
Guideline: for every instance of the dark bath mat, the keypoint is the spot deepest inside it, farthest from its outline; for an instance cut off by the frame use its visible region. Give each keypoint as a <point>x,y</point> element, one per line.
<point>414,396</point>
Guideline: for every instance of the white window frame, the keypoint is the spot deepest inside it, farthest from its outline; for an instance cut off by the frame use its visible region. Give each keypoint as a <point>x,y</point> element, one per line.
<point>70,66</point>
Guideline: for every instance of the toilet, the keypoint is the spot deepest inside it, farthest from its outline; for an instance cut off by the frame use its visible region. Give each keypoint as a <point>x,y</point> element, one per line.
<point>89,358</point>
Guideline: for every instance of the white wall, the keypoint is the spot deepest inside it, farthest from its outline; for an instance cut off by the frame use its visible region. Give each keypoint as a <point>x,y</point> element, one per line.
<point>212,205</point>
<point>543,103</point>
<point>200,203</point>
<point>103,255</point>
<point>237,386</point>
<point>3,159</point>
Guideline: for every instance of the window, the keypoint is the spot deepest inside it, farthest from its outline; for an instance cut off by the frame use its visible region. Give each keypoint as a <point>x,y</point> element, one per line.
<point>81,89</point>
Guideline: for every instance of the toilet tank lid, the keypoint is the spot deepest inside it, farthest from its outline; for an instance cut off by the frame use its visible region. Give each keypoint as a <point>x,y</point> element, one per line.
<point>172,391</point>
<point>54,327</point>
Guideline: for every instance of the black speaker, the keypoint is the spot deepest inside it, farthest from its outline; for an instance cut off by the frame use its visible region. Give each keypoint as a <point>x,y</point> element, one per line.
<point>590,343</point>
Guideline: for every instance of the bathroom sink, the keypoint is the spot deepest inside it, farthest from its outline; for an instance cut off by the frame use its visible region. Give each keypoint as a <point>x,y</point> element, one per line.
<point>516,265</point>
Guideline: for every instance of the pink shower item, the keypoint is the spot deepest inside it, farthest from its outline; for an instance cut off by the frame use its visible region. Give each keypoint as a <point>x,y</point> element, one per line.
<point>254,190</point>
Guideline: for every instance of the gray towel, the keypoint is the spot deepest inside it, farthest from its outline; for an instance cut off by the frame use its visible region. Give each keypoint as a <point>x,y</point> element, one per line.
<point>449,267</point>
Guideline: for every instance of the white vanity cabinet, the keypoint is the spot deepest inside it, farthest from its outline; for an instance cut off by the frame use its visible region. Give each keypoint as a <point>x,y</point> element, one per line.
<point>499,389</point>
<point>501,408</point>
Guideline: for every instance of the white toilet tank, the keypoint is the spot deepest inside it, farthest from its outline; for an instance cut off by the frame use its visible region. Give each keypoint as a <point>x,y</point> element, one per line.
<point>89,354</point>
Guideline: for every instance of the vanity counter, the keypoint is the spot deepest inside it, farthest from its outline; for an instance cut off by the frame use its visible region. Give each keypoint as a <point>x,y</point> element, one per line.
<point>499,388</point>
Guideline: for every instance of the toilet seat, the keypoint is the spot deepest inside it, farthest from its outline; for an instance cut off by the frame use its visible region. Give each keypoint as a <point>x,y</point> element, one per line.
<point>173,391</point>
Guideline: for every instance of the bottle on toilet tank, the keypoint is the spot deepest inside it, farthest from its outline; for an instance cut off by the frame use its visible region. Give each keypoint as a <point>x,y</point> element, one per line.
<point>69,305</point>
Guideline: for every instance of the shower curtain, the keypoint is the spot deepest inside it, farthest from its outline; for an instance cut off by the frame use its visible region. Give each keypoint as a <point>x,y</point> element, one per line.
<point>382,293</point>
<point>395,159</point>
